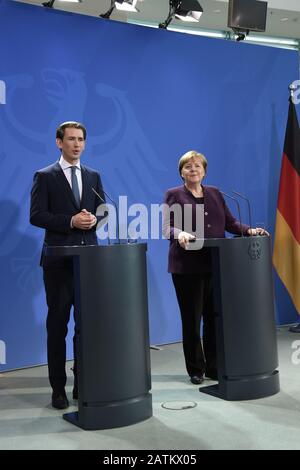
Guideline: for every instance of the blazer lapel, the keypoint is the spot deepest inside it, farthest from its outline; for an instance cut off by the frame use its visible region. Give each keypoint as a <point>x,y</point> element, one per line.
<point>64,184</point>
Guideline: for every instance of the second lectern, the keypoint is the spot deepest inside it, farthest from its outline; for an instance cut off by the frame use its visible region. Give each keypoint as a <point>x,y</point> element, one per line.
<point>113,348</point>
<point>244,318</point>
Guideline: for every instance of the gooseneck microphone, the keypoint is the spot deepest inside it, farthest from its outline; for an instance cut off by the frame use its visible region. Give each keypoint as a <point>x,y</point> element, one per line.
<point>248,204</point>
<point>239,209</point>
<point>116,208</point>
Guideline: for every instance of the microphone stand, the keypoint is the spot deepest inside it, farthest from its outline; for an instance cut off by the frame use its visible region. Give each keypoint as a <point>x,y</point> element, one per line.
<point>248,203</point>
<point>116,208</point>
<point>239,209</point>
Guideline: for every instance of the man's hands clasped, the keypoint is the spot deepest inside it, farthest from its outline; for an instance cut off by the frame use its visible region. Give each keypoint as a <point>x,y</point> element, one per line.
<point>84,220</point>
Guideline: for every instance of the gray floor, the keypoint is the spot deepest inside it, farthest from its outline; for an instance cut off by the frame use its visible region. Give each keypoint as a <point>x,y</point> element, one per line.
<point>27,420</point>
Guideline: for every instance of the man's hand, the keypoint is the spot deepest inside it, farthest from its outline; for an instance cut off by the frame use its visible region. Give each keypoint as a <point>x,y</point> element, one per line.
<point>84,220</point>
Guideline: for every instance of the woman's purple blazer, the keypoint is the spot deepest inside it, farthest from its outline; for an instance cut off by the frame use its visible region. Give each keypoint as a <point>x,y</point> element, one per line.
<point>217,220</point>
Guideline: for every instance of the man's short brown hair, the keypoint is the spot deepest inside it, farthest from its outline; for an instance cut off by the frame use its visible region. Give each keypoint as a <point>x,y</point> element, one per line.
<point>60,131</point>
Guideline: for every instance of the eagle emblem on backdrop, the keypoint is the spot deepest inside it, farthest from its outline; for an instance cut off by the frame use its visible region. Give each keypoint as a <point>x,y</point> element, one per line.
<point>117,144</point>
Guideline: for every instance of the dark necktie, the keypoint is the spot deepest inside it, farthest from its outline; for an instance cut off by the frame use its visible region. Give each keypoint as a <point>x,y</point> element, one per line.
<point>75,187</point>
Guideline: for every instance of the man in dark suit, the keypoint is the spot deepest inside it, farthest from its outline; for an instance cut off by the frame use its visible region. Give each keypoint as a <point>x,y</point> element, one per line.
<point>64,204</point>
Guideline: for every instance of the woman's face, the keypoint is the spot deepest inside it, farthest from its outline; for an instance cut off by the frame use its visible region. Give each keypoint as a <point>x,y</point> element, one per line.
<point>193,171</point>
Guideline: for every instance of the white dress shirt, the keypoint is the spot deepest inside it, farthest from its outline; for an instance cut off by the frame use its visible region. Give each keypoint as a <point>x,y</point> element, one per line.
<point>66,167</point>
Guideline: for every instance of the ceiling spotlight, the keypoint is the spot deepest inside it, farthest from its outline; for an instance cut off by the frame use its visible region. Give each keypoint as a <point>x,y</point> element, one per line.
<point>240,36</point>
<point>48,4</point>
<point>185,10</point>
<point>124,5</point>
<point>240,33</point>
<point>51,2</point>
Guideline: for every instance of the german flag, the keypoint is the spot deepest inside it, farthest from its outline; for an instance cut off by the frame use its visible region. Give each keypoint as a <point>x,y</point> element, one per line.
<point>286,255</point>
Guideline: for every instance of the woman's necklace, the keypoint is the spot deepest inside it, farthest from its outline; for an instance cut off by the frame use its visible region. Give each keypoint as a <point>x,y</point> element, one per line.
<point>196,192</point>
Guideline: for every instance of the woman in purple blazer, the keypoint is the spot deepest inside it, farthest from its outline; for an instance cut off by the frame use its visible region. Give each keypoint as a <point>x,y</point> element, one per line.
<point>191,269</point>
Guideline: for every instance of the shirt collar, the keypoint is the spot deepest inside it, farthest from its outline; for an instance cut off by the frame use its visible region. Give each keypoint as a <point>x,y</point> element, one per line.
<point>64,164</point>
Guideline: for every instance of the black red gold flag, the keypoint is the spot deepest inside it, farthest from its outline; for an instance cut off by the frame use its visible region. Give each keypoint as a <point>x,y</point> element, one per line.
<point>286,254</point>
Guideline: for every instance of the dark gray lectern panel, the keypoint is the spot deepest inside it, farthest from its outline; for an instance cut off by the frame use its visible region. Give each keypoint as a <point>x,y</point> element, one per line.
<point>113,340</point>
<point>244,318</point>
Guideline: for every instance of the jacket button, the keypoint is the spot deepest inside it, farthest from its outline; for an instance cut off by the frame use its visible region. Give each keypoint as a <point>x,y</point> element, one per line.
<point>205,213</point>
<point>208,225</point>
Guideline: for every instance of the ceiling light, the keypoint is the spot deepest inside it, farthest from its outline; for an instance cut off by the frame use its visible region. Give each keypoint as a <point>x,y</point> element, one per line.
<point>189,10</point>
<point>51,2</point>
<point>191,16</point>
<point>185,10</point>
<point>48,4</point>
<point>124,5</point>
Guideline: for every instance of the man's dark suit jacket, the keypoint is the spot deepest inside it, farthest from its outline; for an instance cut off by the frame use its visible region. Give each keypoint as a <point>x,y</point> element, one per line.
<point>217,220</point>
<point>53,205</point>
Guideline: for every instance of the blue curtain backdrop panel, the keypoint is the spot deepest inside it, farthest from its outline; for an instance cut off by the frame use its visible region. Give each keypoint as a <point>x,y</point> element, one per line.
<point>146,97</point>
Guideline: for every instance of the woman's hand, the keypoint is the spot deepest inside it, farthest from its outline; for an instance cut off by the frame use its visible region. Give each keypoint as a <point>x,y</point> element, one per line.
<point>257,231</point>
<point>184,239</point>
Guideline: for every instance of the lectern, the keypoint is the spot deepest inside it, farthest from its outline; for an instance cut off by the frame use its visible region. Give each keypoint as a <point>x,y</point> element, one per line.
<point>113,348</point>
<point>244,318</point>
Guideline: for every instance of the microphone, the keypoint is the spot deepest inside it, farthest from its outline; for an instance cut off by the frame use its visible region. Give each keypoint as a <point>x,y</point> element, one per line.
<point>116,208</point>
<point>248,204</point>
<point>238,206</point>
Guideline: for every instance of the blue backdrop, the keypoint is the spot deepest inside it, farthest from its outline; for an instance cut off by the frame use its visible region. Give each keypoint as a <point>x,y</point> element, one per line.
<point>146,97</point>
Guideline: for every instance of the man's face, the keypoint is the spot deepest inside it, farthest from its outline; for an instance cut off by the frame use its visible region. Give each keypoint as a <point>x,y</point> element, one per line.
<point>72,144</point>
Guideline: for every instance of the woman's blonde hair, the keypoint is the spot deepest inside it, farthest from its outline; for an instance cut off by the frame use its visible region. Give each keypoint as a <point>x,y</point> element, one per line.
<point>188,156</point>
